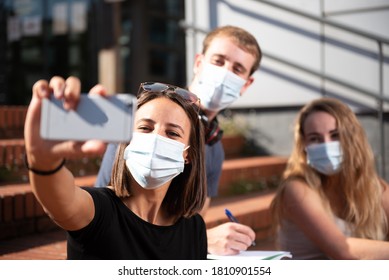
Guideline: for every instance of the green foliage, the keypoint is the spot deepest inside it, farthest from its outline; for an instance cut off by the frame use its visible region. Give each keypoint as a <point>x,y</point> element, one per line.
<point>245,186</point>
<point>235,125</point>
<point>12,174</point>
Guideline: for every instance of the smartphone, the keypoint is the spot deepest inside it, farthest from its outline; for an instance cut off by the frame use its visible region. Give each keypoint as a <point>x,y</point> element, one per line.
<point>110,119</point>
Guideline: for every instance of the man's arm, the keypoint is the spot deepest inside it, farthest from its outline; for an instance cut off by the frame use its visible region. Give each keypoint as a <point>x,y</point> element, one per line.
<point>104,175</point>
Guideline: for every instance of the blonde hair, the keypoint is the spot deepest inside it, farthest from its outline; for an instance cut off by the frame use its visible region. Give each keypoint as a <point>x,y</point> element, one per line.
<point>359,183</point>
<point>241,38</point>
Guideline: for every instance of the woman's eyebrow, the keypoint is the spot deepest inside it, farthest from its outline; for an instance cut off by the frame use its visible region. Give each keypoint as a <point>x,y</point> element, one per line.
<point>145,120</point>
<point>177,126</point>
<point>312,133</point>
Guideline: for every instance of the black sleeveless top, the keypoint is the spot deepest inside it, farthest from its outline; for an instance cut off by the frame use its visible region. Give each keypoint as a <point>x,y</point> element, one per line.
<point>117,233</point>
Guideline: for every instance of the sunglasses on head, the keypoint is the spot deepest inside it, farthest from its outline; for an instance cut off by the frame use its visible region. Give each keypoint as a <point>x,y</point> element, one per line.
<point>161,87</point>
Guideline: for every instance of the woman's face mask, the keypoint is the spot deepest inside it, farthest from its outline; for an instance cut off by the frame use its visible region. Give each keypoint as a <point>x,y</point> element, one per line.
<point>153,159</point>
<point>217,87</point>
<point>326,157</point>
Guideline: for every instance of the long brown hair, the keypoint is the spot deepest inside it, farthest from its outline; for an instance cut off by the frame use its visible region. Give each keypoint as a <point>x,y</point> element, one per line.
<point>187,191</point>
<point>359,182</point>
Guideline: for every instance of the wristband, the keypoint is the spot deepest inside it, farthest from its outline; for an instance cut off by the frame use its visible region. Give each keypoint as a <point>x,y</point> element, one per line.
<point>44,172</point>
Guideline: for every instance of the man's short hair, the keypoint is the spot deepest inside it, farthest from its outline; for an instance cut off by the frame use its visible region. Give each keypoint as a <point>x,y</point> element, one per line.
<point>241,37</point>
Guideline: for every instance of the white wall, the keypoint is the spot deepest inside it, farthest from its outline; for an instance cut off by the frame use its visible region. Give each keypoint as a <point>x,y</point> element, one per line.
<point>348,57</point>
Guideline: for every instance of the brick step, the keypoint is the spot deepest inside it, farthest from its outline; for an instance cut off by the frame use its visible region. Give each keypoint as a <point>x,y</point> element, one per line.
<point>12,121</point>
<point>251,174</point>
<point>21,214</point>
<point>39,246</point>
<point>264,170</point>
<point>251,210</point>
<point>12,169</point>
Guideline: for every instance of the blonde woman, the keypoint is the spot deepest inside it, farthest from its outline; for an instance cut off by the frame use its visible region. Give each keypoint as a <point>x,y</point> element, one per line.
<point>331,203</point>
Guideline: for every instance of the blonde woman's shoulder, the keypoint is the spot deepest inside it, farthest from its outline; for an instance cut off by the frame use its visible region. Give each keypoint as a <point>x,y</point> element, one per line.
<point>297,191</point>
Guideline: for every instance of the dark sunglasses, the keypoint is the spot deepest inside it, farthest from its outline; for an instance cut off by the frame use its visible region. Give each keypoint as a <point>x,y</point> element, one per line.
<point>161,87</point>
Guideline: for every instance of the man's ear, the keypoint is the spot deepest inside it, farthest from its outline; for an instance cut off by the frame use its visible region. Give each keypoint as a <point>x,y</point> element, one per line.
<point>197,62</point>
<point>249,81</point>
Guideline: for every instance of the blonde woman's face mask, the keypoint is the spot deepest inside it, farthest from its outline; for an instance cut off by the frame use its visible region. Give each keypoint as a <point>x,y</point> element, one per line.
<point>326,157</point>
<point>321,138</point>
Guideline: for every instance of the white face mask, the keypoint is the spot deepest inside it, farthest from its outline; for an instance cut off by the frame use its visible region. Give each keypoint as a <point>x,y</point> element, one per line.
<point>153,159</point>
<point>326,158</point>
<point>217,87</point>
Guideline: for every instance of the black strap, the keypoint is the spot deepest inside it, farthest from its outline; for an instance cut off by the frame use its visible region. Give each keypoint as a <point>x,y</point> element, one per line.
<point>213,132</point>
<point>43,172</point>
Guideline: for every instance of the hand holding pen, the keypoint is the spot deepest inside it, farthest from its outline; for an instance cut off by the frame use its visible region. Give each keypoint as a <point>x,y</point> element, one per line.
<point>234,220</point>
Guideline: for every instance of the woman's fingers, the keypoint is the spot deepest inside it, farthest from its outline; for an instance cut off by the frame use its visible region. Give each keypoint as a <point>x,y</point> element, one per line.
<point>57,86</point>
<point>99,89</point>
<point>93,147</point>
<point>41,89</point>
<point>35,145</point>
<point>74,149</point>
<point>32,123</point>
<point>72,93</point>
<point>68,90</point>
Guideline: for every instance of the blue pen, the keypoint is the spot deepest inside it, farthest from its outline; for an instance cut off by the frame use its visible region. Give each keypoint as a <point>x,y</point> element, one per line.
<point>234,220</point>
<point>230,216</point>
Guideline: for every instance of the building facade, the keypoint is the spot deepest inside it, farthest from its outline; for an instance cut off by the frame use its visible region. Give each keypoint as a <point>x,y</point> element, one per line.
<point>116,43</point>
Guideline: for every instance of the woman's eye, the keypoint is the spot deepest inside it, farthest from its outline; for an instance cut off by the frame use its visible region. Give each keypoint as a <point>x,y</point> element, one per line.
<point>313,140</point>
<point>144,128</point>
<point>335,136</point>
<point>173,134</point>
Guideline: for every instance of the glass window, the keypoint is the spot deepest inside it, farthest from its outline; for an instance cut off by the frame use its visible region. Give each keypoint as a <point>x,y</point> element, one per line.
<point>167,7</point>
<point>151,42</point>
<point>63,37</point>
<point>47,38</point>
<point>166,41</point>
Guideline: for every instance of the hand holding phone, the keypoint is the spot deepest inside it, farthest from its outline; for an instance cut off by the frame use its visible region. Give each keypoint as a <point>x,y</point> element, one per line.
<point>109,119</point>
